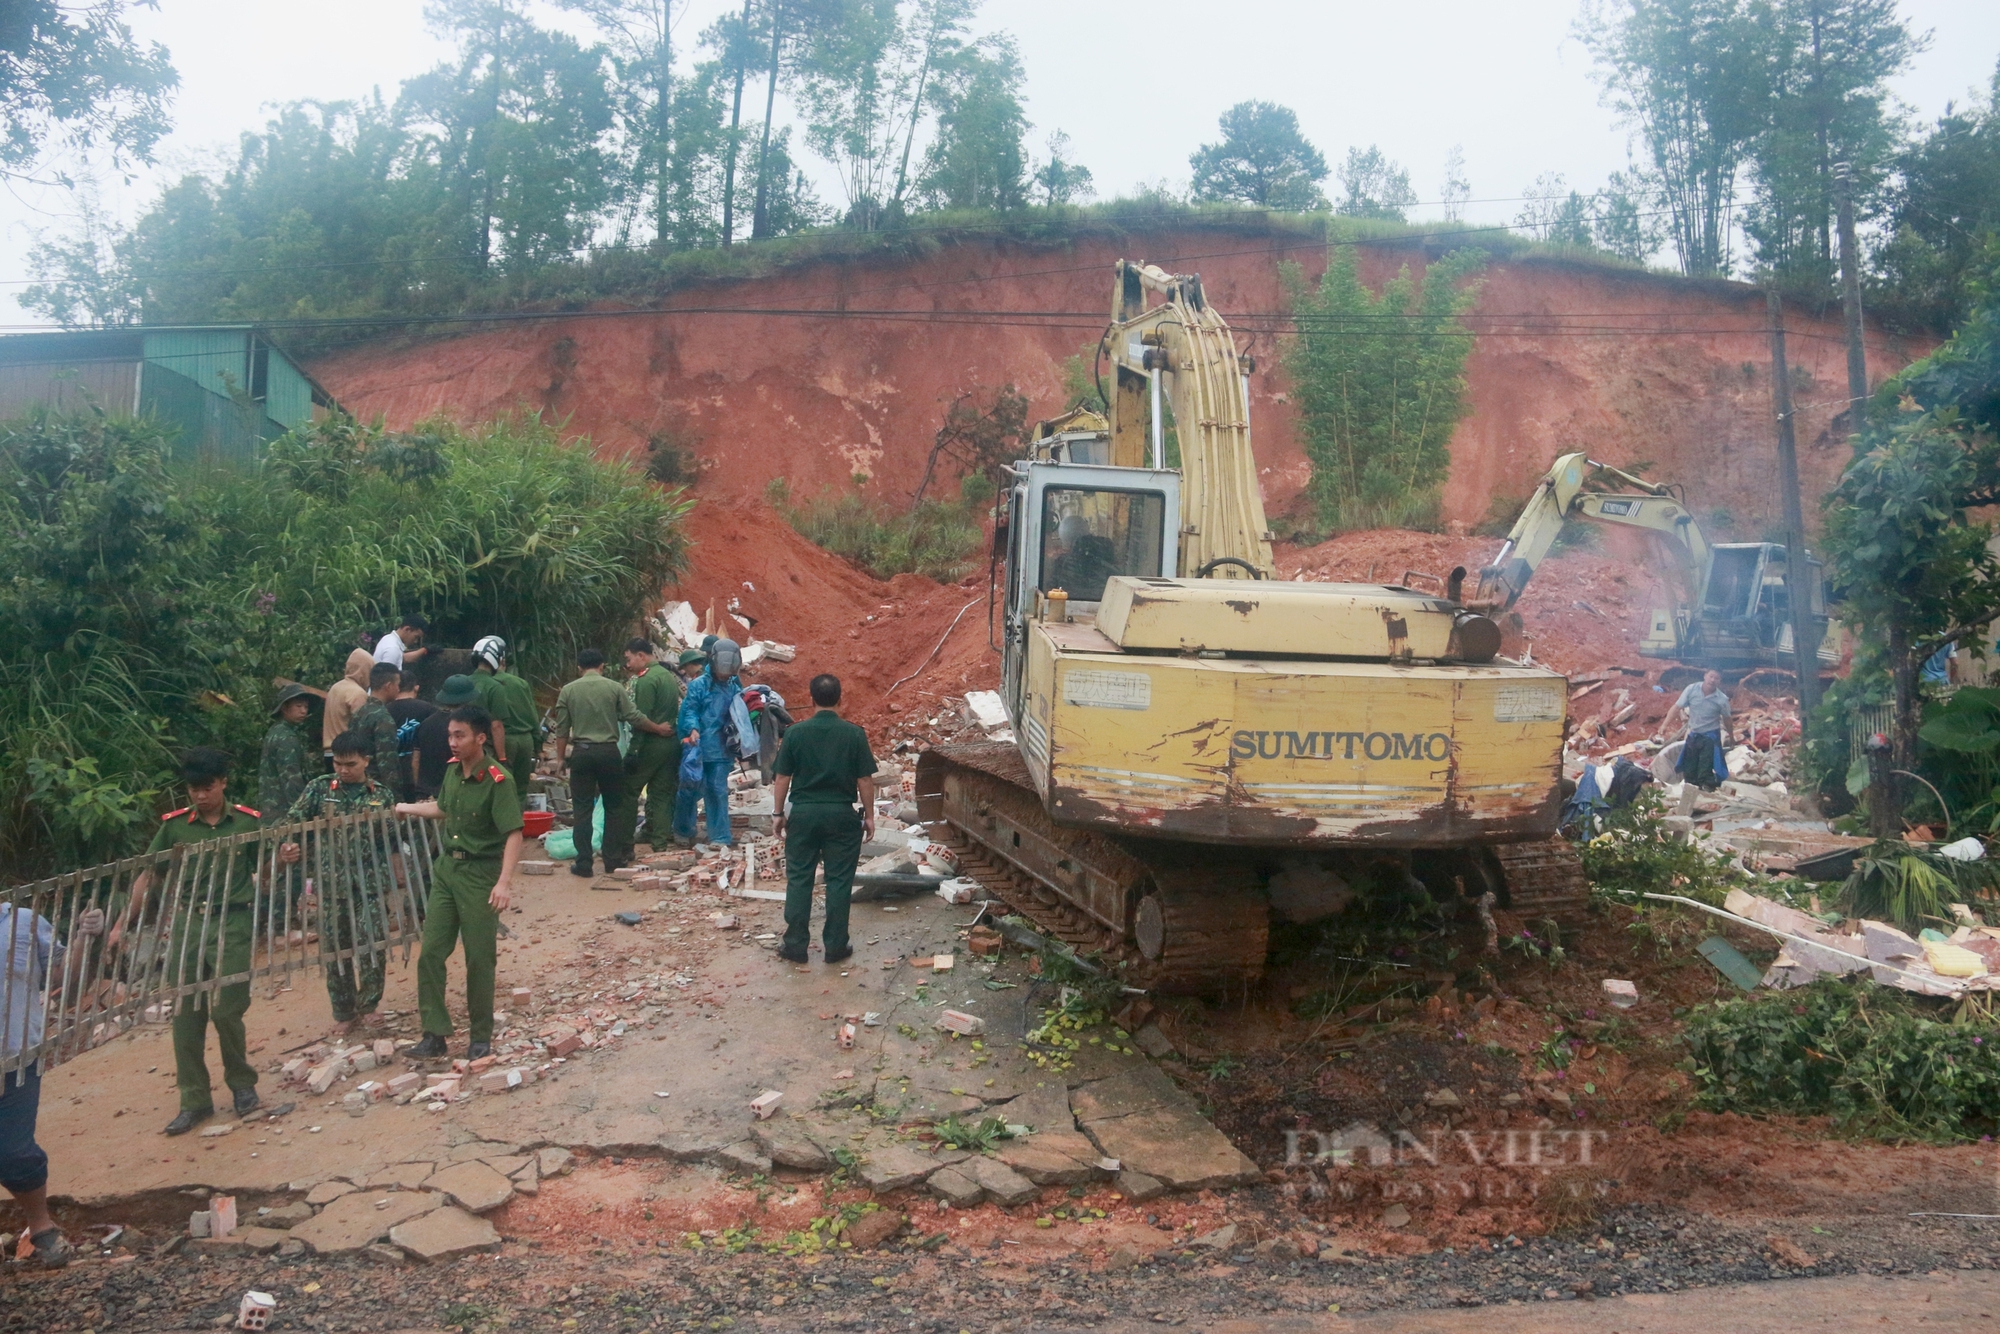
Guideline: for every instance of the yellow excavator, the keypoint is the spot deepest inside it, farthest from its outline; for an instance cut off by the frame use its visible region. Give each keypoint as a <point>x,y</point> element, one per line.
<point>1199,746</point>
<point>1733,601</point>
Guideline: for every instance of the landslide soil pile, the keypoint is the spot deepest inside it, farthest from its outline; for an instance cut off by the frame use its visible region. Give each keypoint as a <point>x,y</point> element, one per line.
<point>867,631</point>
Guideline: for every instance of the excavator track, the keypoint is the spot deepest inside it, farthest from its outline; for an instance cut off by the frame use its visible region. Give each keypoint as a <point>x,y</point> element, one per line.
<point>1544,879</point>
<point>1170,922</point>
<point>1173,918</point>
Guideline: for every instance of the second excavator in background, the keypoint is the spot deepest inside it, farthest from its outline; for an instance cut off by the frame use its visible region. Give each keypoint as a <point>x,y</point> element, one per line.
<point>1734,602</point>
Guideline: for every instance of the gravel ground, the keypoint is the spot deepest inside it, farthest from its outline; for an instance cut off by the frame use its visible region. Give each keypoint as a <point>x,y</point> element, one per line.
<point>949,1289</point>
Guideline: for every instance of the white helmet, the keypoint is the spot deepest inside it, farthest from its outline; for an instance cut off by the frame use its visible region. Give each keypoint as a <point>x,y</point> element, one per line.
<point>492,650</point>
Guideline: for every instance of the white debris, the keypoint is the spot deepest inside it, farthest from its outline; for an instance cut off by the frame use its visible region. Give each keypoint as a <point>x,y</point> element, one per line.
<point>1964,850</point>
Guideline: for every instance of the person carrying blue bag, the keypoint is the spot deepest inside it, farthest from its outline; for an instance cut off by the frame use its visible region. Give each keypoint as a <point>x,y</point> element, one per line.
<point>707,719</point>
<point>1706,709</point>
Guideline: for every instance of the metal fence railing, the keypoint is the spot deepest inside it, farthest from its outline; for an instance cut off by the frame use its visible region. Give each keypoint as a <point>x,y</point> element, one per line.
<point>200,917</point>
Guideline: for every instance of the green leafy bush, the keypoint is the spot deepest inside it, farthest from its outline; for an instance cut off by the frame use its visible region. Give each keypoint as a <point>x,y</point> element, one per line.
<point>1634,854</point>
<point>935,538</point>
<point>1913,887</point>
<point>1879,1062</point>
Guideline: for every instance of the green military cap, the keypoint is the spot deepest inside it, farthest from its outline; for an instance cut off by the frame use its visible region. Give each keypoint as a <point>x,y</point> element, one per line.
<point>455,691</point>
<point>290,691</point>
<point>689,655</point>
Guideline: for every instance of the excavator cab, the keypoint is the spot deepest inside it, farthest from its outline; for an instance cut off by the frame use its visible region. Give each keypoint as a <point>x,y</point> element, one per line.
<point>1071,528</point>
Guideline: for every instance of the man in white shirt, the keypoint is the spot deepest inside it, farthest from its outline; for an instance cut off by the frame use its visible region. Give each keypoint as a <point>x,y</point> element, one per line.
<point>402,647</point>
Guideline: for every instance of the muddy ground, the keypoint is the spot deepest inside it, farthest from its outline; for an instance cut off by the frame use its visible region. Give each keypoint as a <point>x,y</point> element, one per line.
<point>1481,1196</point>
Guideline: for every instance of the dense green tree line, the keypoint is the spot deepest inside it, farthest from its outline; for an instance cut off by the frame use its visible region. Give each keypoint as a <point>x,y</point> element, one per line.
<point>148,607</point>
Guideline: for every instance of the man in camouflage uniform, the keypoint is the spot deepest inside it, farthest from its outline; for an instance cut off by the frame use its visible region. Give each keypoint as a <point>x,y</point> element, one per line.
<point>281,773</point>
<point>376,726</point>
<point>351,877</point>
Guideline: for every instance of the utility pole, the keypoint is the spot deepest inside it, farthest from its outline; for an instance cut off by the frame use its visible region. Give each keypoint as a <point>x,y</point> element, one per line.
<point>1798,576</point>
<point>1850,294</point>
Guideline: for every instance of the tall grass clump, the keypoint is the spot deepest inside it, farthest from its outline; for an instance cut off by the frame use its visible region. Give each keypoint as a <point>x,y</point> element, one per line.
<point>146,607</point>
<point>934,538</point>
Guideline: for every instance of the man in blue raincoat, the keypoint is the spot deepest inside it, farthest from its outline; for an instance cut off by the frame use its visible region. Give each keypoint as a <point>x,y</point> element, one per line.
<point>704,721</point>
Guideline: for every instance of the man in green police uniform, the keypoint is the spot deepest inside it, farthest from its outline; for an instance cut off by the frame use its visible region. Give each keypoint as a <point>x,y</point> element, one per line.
<point>652,761</point>
<point>352,908</point>
<point>588,711</point>
<point>824,766</point>
<point>470,883</point>
<point>192,951</point>
<point>512,703</point>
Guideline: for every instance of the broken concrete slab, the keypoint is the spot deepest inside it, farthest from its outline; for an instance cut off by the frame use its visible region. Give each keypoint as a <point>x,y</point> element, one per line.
<point>444,1234</point>
<point>481,1148</point>
<point>1001,1182</point>
<point>789,1142</point>
<point>1153,1042</point>
<point>684,1146</point>
<point>351,1222</point>
<point>261,1240</point>
<point>553,1161</point>
<point>895,1167</point>
<point>1052,1159</point>
<point>326,1192</point>
<point>1042,1108</point>
<point>402,1176</point>
<point>955,1187</point>
<point>1177,1146</point>
<point>1141,1118</point>
<point>473,1186</point>
<point>744,1156</point>
<point>509,1165</point>
<point>284,1216</point>
<point>1219,1240</point>
<point>1140,1088</point>
<point>1138,1187</point>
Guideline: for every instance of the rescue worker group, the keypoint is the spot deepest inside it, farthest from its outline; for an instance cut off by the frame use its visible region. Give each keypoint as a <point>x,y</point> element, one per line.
<point>465,758</point>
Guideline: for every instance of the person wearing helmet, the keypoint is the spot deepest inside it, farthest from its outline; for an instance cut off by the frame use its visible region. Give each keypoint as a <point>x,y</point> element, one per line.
<point>704,709</point>
<point>511,703</point>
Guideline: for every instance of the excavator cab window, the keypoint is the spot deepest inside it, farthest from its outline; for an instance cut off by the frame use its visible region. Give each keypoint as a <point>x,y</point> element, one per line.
<point>1088,535</point>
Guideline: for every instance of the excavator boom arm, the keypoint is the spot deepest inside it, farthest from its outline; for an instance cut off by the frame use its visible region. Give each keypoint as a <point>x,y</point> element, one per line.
<point>1182,350</point>
<point>1560,496</point>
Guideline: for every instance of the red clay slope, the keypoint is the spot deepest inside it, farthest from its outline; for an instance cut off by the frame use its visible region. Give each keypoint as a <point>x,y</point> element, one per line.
<point>868,632</point>
<point>1628,366</point>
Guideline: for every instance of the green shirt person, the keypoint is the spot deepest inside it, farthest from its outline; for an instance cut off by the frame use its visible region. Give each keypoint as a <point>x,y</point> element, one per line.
<point>281,770</point>
<point>824,767</point>
<point>512,703</point>
<point>353,880</point>
<point>471,882</point>
<point>652,761</point>
<point>377,726</point>
<point>587,714</point>
<point>206,940</point>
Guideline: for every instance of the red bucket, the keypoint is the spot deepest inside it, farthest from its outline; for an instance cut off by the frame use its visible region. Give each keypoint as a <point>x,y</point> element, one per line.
<point>534,824</point>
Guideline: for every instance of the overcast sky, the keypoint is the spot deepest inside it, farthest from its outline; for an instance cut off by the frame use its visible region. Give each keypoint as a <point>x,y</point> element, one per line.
<point>1137,88</point>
